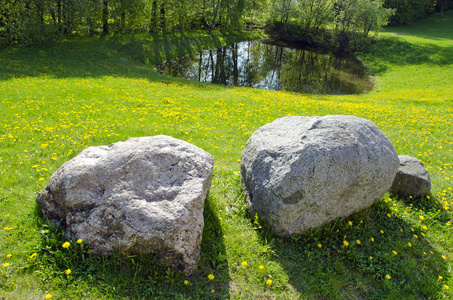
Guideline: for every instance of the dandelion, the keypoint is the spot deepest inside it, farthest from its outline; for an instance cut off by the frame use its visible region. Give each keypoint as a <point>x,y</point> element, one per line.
<point>33,255</point>
<point>5,265</point>
<point>319,245</point>
<point>382,231</point>
<point>410,245</point>
<point>372,239</point>
<point>220,218</point>
<point>446,287</point>
<point>346,243</point>
<point>48,296</point>
<point>359,242</point>
<point>394,252</point>
<point>388,276</point>
<point>66,245</point>
<point>79,241</point>
<point>371,257</point>
<point>67,272</point>
<point>444,257</point>
<point>425,228</point>
<point>440,277</point>
<point>186,282</point>
<point>244,264</point>
<point>41,179</point>
<point>422,218</point>
<point>269,282</point>
<point>349,223</point>
<point>210,277</point>
<point>8,255</point>
<point>415,236</point>
<point>261,267</point>
<point>212,291</point>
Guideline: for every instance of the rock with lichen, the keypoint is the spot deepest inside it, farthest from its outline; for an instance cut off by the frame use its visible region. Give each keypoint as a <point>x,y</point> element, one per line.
<point>144,195</point>
<point>303,172</point>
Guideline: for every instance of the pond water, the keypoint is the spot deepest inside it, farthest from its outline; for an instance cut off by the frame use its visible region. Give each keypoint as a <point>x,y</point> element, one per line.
<point>265,65</point>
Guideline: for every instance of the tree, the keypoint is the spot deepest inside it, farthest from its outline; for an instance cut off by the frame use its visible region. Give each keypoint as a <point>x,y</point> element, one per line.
<point>313,14</point>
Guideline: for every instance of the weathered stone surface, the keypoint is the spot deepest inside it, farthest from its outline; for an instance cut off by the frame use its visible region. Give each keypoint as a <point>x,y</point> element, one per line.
<point>302,172</point>
<point>412,179</point>
<point>144,195</point>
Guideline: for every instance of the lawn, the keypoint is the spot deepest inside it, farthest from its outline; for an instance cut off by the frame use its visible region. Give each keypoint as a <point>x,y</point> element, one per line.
<point>59,98</point>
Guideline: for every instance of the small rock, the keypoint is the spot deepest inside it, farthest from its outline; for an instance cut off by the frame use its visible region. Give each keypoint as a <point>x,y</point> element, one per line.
<point>412,178</point>
<point>144,195</point>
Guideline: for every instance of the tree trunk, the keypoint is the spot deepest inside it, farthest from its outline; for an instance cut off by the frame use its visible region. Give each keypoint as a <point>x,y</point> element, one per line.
<point>59,4</point>
<point>154,17</point>
<point>215,16</point>
<point>162,16</point>
<point>105,17</point>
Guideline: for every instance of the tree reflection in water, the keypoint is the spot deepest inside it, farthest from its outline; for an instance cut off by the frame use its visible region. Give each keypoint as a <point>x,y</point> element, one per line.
<point>263,65</point>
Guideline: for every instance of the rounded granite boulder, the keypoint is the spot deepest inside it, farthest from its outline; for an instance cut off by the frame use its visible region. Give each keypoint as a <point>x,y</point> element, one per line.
<point>303,172</point>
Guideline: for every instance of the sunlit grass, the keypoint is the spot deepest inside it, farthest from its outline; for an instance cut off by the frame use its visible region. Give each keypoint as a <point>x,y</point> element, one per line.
<point>59,99</point>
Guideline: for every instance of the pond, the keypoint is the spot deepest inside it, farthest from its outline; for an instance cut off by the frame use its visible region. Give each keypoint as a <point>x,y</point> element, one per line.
<point>265,65</point>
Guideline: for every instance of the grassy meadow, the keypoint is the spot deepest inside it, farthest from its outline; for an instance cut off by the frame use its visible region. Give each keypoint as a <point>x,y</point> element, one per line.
<point>59,98</point>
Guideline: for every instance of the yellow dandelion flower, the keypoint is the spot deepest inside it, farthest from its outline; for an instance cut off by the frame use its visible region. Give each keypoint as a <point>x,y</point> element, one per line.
<point>444,257</point>
<point>319,245</point>
<point>349,223</point>
<point>394,252</point>
<point>410,245</point>
<point>440,277</point>
<point>446,287</point>
<point>9,255</point>
<point>186,282</point>
<point>210,277</point>
<point>415,236</point>
<point>382,231</point>
<point>5,265</point>
<point>33,255</point>
<point>244,264</point>
<point>79,241</point>
<point>359,242</point>
<point>269,282</point>
<point>371,257</point>
<point>388,276</point>
<point>261,267</point>
<point>425,228</point>
<point>48,296</point>
<point>66,245</point>
<point>212,291</point>
<point>372,239</point>
<point>422,218</point>
<point>346,243</point>
<point>67,272</point>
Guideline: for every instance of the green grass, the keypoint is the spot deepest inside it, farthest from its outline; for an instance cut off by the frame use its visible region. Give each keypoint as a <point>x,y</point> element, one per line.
<point>58,99</point>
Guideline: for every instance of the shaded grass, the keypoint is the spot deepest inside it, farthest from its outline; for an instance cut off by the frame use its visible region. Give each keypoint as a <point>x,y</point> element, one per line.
<point>59,99</point>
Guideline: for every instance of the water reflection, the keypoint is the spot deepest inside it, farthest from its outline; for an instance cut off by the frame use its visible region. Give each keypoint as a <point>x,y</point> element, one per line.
<point>264,65</point>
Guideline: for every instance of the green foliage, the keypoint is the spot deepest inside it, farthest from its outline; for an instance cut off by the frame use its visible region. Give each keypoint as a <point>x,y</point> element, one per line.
<point>407,11</point>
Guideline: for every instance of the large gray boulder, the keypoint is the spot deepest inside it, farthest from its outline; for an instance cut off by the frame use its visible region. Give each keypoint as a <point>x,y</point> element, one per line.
<point>412,179</point>
<point>144,195</point>
<point>302,172</point>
